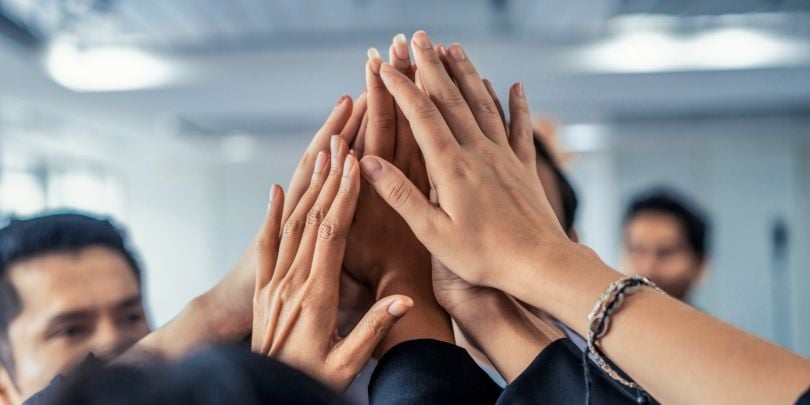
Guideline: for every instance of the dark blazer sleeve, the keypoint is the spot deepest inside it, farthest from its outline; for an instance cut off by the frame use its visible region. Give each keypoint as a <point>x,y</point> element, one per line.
<point>805,399</point>
<point>428,371</point>
<point>556,377</point>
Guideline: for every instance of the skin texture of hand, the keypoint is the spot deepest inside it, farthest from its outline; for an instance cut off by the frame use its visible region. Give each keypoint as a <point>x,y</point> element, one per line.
<point>467,150</point>
<point>491,321</point>
<point>382,251</point>
<point>493,227</point>
<point>224,313</point>
<point>295,304</point>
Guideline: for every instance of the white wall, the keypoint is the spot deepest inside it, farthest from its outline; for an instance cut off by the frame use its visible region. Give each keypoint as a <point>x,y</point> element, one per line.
<point>744,178</point>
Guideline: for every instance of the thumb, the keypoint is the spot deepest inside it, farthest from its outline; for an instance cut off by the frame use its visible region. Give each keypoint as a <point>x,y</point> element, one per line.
<point>401,194</point>
<point>356,348</point>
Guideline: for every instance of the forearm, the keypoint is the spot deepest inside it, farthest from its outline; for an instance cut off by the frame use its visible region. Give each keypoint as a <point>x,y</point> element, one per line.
<point>496,326</point>
<point>206,320</point>
<point>678,353</point>
<point>223,314</point>
<point>426,320</point>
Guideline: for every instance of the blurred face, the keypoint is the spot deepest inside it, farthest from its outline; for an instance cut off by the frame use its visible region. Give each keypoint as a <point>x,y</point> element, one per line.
<point>655,247</point>
<point>72,304</point>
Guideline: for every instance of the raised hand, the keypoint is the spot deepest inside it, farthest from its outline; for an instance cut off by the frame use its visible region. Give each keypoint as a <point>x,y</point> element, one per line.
<point>295,304</point>
<point>382,251</point>
<point>485,193</point>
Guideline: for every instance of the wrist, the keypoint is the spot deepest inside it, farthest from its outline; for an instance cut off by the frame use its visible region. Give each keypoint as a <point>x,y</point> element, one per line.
<point>563,281</point>
<point>225,318</point>
<point>426,320</point>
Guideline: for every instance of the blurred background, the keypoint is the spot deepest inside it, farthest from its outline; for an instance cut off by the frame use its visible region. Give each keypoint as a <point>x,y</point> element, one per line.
<point>175,117</point>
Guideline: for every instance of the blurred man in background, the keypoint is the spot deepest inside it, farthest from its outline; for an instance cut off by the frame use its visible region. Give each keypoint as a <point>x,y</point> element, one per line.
<point>69,286</point>
<point>665,240</point>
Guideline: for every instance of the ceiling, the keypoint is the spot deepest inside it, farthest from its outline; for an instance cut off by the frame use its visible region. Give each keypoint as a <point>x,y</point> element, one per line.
<point>274,67</point>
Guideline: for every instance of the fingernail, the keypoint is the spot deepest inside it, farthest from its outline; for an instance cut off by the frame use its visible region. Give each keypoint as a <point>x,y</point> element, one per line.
<point>320,162</point>
<point>340,100</point>
<point>421,39</point>
<point>371,168</point>
<point>374,60</point>
<point>519,90</point>
<point>347,165</point>
<point>457,52</point>
<point>401,46</point>
<point>398,308</point>
<point>272,196</point>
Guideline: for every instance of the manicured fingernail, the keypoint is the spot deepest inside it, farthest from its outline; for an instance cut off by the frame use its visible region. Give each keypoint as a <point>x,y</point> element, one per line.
<point>371,168</point>
<point>421,39</point>
<point>347,165</point>
<point>457,52</point>
<point>401,46</point>
<point>374,60</point>
<point>272,196</point>
<point>320,162</point>
<point>398,308</point>
<point>519,90</point>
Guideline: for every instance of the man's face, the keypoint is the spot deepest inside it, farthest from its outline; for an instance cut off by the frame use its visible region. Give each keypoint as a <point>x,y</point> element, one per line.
<point>72,304</point>
<point>655,247</point>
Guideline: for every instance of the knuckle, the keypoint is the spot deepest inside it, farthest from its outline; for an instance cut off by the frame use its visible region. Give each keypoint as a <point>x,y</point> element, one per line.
<point>398,192</point>
<point>330,231</point>
<point>426,110</point>
<point>292,227</point>
<point>314,187</point>
<point>315,215</point>
<point>488,106</point>
<point>385,122</point>
<point>285,293</point>
<point>262,244</point>
<point>451,98</point>
<point>375,325</point>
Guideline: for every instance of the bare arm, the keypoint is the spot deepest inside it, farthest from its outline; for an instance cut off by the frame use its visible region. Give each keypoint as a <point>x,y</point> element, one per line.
<point>224,313</point>
<point>507,237</point>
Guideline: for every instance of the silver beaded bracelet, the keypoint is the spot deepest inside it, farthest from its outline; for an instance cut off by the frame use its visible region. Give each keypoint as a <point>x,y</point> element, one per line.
<point>608,303</point>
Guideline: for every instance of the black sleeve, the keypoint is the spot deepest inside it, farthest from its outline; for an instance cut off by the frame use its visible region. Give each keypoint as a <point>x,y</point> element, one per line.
<point>428,371</point>
<point>556,377</point>
<point>48,393</point>
<point>805,399</point>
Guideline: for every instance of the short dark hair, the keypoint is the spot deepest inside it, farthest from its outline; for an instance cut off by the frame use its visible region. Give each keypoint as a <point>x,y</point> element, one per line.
<point>219,375</point>
<point>567,193</point>
<point>689,215</point>
<point>62,232</point>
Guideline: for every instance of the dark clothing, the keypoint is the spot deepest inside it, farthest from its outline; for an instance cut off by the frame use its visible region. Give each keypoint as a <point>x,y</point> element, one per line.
<point>556,377</point>
<point>413,372</point>
<point>428,371</point>
<point>805,399</point>
<point>433,372</point>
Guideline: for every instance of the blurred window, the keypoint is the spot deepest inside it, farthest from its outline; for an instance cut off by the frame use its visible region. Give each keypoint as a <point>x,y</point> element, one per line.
<point>28,191</point>
<point>22,192</point>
